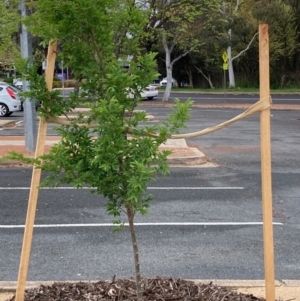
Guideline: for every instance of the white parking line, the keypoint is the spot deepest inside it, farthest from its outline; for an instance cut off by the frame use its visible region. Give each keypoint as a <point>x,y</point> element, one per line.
<point>20,122</point>
<point>139,224</point>
<point>150,188</point>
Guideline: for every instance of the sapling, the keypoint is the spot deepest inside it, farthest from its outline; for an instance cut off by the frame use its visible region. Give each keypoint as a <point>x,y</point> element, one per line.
<point>112,148</point>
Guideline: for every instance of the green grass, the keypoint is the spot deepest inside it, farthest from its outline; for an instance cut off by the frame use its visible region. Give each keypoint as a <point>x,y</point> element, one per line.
<point>236,90</point>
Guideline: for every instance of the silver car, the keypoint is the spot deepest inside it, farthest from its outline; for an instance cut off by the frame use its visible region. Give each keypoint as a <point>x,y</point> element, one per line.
<point>9,100</point>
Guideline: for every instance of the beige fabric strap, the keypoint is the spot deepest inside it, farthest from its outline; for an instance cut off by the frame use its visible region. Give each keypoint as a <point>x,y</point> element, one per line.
<point>259,106</point>
<point>64,121</point>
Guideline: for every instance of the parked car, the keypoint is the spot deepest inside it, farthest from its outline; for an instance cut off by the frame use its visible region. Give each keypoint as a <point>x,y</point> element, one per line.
<point>164,82</point>
<point>148,93</point>
<point>9,100</point>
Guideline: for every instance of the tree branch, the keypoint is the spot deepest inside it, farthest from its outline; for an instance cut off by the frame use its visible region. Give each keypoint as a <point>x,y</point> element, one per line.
<point>179,57</point>
<point>245,48</point>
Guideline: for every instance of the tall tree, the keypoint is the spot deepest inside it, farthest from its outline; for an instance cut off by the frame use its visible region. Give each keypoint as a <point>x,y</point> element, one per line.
<point>295,7</point>
<point>284,37</point>
<point>177,32</point>
<point>9,22</point>
<point>177,24</point>
<point>239,25</point>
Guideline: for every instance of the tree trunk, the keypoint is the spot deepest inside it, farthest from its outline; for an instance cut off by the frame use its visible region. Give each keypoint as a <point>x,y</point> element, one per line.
<point>210,82</point>
<point>230,58</point>
<point>130,216</point>
<point>190,75</point>
<point>169,65</point>
<point>208,78</point>
<point>76,88</point>
<point>230,66</point>
<point>169,68</point>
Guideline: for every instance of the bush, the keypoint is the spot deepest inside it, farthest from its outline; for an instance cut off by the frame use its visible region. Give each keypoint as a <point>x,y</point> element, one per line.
<point>56,84</point>
<point>9,80</point>
<point>70,83</point>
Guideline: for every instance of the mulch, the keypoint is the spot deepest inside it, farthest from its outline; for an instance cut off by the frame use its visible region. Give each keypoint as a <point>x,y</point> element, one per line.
<point>157,288</point>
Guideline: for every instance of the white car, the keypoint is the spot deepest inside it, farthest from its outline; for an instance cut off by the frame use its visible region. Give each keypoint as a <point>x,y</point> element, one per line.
<point>164,82</point>
<point>9,100</point>
<point>148,93</point>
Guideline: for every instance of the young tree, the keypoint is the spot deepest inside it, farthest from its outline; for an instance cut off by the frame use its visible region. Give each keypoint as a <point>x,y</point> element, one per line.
<point>110,149</point>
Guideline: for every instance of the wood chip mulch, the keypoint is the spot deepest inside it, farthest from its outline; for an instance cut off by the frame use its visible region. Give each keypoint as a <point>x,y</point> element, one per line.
<point>157,288</point>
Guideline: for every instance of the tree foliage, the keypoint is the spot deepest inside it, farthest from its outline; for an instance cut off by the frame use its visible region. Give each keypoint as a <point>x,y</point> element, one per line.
<point>9,22</point>
<point>284,36</point>
<point>180,27</point>
<point>209,29</point>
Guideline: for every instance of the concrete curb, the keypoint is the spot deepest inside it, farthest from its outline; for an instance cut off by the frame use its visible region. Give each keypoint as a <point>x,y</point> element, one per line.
<point>182,155</point>
<point>197,159</point>
<point>10,286</point>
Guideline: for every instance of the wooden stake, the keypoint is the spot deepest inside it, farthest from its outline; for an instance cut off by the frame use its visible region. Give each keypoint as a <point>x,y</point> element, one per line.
<point>265,144</point>
<point>35,181</point>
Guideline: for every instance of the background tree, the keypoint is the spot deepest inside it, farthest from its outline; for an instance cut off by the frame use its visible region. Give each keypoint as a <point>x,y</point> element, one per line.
<point>111,149</point>
<point>207,61</point>
<point>9,22</point>
<point>295,7</point>
<point>241,32</point>
<point>283,36</point>
<point>178,29</point>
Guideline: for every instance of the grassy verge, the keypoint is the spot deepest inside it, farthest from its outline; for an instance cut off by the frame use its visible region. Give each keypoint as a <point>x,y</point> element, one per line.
<point>236,90</point>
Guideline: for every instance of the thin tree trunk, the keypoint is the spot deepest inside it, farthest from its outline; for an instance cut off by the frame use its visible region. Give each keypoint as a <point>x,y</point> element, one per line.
<point>77,86</point>
<point>130,215</point>
<point>190,75</point>
<point>169,64</point>
<point>169,70</point>
<point>208,78</point>
<point>230,69</point>
<point>231,59</point>
<point>230,65</point>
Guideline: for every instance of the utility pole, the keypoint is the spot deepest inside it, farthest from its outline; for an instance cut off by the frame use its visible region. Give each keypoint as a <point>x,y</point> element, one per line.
<point>30,127</point>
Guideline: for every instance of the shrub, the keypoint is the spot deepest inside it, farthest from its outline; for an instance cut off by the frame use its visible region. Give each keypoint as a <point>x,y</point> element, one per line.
<point>9,80</point>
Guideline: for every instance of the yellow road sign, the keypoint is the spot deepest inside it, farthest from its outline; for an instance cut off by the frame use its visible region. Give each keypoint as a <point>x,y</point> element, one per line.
<point>225,66</point>
<point>225,57</point>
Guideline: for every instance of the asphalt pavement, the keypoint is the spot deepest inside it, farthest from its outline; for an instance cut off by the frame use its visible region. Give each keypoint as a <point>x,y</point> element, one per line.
<point>204,223</point>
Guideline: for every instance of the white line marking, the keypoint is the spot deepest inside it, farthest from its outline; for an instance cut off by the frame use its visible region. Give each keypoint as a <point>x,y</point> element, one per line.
<point>150,188</point>
<point>19,122</point>
<point>139,224</point>
<point>197,188</point>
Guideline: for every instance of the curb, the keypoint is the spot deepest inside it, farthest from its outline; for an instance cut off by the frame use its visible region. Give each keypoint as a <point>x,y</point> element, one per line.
<point>10,286</point>
<point>182,155</point>
<point>197,159</point>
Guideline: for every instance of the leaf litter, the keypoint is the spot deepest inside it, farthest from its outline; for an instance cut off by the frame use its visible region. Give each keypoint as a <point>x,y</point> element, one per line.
<point>154,289</point>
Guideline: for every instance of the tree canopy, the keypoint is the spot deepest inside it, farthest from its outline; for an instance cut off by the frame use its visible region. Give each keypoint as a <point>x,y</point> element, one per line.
<point>9,22</point>
<point>204,38</point>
